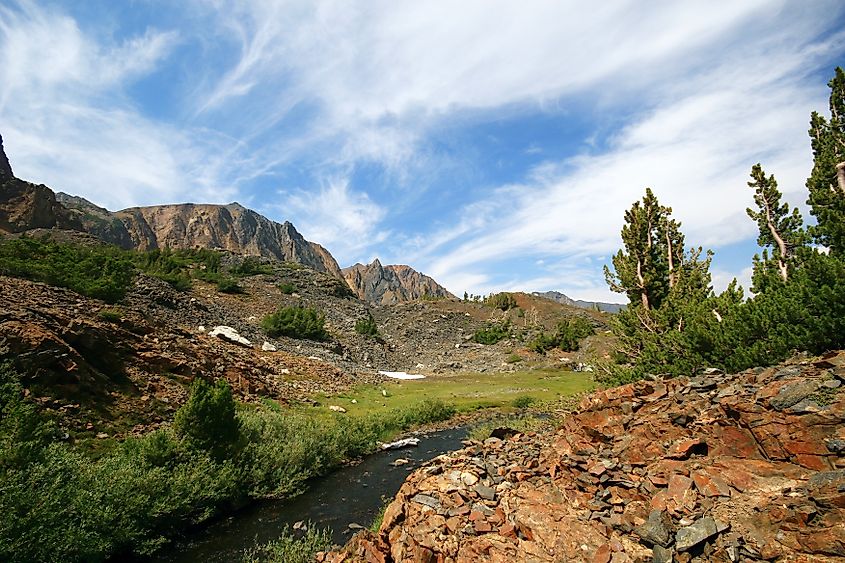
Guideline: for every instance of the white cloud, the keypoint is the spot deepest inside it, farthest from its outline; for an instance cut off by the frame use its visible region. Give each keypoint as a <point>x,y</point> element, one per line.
<point>694,148</point>
<point>67,121</point>
<point>343,220</point>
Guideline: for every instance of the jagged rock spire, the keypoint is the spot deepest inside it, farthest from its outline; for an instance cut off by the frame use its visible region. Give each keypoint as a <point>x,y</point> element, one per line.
<point>5,167</point>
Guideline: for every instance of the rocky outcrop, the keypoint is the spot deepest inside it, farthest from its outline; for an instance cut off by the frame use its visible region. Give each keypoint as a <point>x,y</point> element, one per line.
<point>25,206</point>
<point>742,467</point>
<point>228,227</point>
<point>5,167</point>
<point>96,220</point>
<point>386,285</point>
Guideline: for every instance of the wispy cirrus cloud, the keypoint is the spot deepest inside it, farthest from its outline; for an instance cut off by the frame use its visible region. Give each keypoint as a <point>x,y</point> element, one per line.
<point>378,115</point>
<point>69,122</point>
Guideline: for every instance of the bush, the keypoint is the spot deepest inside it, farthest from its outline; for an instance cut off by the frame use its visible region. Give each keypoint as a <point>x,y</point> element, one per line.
<point>566,336</point>
<point>296,322</point>
<point>207,421</point>
<point>290,549</point>
<point>513,358</point>
<point>367,326</point>
<point>287,288</point>
<point>110,315</point>
<point>229,285</point>
<point>101,272</point>
<point>492,333</point>
<point>60,505</point>
<point>503,301</point>
<point>523,401</point>
<point>251,266</point>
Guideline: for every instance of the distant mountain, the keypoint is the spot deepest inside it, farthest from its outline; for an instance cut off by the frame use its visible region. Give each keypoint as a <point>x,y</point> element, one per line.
<point>232,227</point>
<point>561,298</point>
<point>385,285</point>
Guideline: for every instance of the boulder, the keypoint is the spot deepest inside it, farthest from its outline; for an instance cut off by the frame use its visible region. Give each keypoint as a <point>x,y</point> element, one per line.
<point>229,334</point>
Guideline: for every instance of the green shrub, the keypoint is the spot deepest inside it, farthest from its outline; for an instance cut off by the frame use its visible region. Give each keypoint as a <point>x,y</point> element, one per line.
<point>101,272</point>
<point>367,326</point>
<point>290,549</point>
<point>110,315</point>
<point>503,301</point>
<point>251,266</point>
<point>296,322</point>
<point>57,504</point>
<point>493,333</point>
<point>207,421</point>
<point>287,288</point>
<point>513,358</point>
<point>566,336</point>
<point>523,401</point>
<point>229,285</point>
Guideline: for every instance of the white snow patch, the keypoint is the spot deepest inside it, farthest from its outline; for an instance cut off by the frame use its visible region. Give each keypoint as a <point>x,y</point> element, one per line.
<point>402,375</point>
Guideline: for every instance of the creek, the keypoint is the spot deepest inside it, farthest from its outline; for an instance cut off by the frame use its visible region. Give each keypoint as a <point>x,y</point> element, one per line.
<point>350,495</point>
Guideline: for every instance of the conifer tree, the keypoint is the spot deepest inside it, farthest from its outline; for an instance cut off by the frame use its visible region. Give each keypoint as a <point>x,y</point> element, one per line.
<point>654,247</point>
<point>668,289</point>
<point>826,184</point>
<point>779,229</point>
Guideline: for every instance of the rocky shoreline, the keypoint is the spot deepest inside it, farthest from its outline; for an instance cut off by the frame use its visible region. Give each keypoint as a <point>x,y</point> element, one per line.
<point>741,467</point>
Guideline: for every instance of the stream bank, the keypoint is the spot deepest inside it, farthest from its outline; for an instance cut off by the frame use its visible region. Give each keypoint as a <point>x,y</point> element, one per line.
<point>351,495</point>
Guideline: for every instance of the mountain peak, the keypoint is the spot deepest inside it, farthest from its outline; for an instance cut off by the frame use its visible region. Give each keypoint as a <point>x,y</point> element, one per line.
<point>5,167</point>
<point>385,285</point>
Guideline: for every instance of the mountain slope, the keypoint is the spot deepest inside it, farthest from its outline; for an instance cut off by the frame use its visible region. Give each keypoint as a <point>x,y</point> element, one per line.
<point>386,285</point>
<point>229,227</point>
<point>566,300</point>
<point>25,206</point>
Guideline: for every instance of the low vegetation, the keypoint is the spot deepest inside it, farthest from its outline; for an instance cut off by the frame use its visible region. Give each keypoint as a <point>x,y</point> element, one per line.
<point>520,423</point>
<point>466,392</point>
<point>493,332</point>
<point>296,322</point>
<point>287,288</point>
<point>250,266</point>
<point>367,326</point>
<point>133,498</point>
<point>291,549</point>
<point>101,272</point>
<point>503,301</point>
<point>567,336</point>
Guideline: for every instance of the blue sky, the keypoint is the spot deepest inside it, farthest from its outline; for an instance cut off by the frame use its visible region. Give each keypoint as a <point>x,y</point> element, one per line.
<point>493,145</point>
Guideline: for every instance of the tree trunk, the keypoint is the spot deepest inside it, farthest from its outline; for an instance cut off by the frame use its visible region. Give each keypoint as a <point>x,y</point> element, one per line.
<point>840,176</point>
<point>671,260</point>
<point>784,272</point>
<point>641,280</point>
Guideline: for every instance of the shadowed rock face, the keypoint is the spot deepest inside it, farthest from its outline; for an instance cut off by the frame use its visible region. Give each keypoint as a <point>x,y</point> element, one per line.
<point>5,167</point>
<point>385,285</point>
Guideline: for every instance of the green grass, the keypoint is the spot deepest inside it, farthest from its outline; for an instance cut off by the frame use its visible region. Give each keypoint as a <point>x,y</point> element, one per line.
<point>466,392</point>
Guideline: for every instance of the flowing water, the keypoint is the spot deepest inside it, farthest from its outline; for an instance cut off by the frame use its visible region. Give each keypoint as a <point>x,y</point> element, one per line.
<point>350,495</point>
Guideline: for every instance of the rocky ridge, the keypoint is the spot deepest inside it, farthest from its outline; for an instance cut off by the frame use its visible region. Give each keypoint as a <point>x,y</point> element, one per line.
<point>229,227</point>
<point>387,285</point>
<point>742,467</point>
<point>559,297</point>
<point>5,167</point>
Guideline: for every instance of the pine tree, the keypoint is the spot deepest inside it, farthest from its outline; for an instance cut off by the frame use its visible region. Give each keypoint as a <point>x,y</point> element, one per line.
<point>826,184</point>
<point>647,267</point>
<point>668,289</point>
<point>779,229</point>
